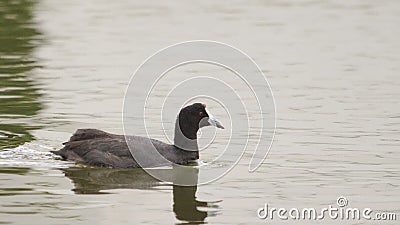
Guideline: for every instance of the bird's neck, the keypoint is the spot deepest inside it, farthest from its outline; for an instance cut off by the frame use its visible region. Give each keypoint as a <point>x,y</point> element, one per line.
<point>186,138</point>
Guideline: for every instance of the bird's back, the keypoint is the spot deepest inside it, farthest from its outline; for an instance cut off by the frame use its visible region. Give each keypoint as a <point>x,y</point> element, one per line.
<point>99,148</point>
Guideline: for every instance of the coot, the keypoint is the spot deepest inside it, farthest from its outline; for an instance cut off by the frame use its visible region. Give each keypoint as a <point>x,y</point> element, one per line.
<point>98,148</point>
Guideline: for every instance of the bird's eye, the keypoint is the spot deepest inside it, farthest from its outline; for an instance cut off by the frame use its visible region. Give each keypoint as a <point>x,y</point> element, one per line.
<point>200,113</point>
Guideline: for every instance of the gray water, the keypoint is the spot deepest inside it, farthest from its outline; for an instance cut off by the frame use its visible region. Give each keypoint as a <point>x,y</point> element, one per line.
<point>333,67</point>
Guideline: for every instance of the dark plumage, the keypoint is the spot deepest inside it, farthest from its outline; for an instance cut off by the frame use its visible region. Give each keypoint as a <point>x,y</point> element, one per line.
<point>98,148</point>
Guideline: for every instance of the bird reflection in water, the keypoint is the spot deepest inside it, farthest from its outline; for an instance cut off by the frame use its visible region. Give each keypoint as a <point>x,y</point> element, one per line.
<point>185,204</point>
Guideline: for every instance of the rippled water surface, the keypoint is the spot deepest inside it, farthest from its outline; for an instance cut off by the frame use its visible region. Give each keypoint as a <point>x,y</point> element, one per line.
<point>333,67</point>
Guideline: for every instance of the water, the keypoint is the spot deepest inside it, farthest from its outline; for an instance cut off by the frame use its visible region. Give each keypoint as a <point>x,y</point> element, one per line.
<point>333,68</point>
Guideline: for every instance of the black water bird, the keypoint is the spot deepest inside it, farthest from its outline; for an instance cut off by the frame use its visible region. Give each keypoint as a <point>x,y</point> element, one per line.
<point>98,148</point>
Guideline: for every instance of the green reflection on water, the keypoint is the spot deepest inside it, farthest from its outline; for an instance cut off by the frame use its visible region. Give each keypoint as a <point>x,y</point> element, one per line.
<point>19,98</point>
<point>14,170</point>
